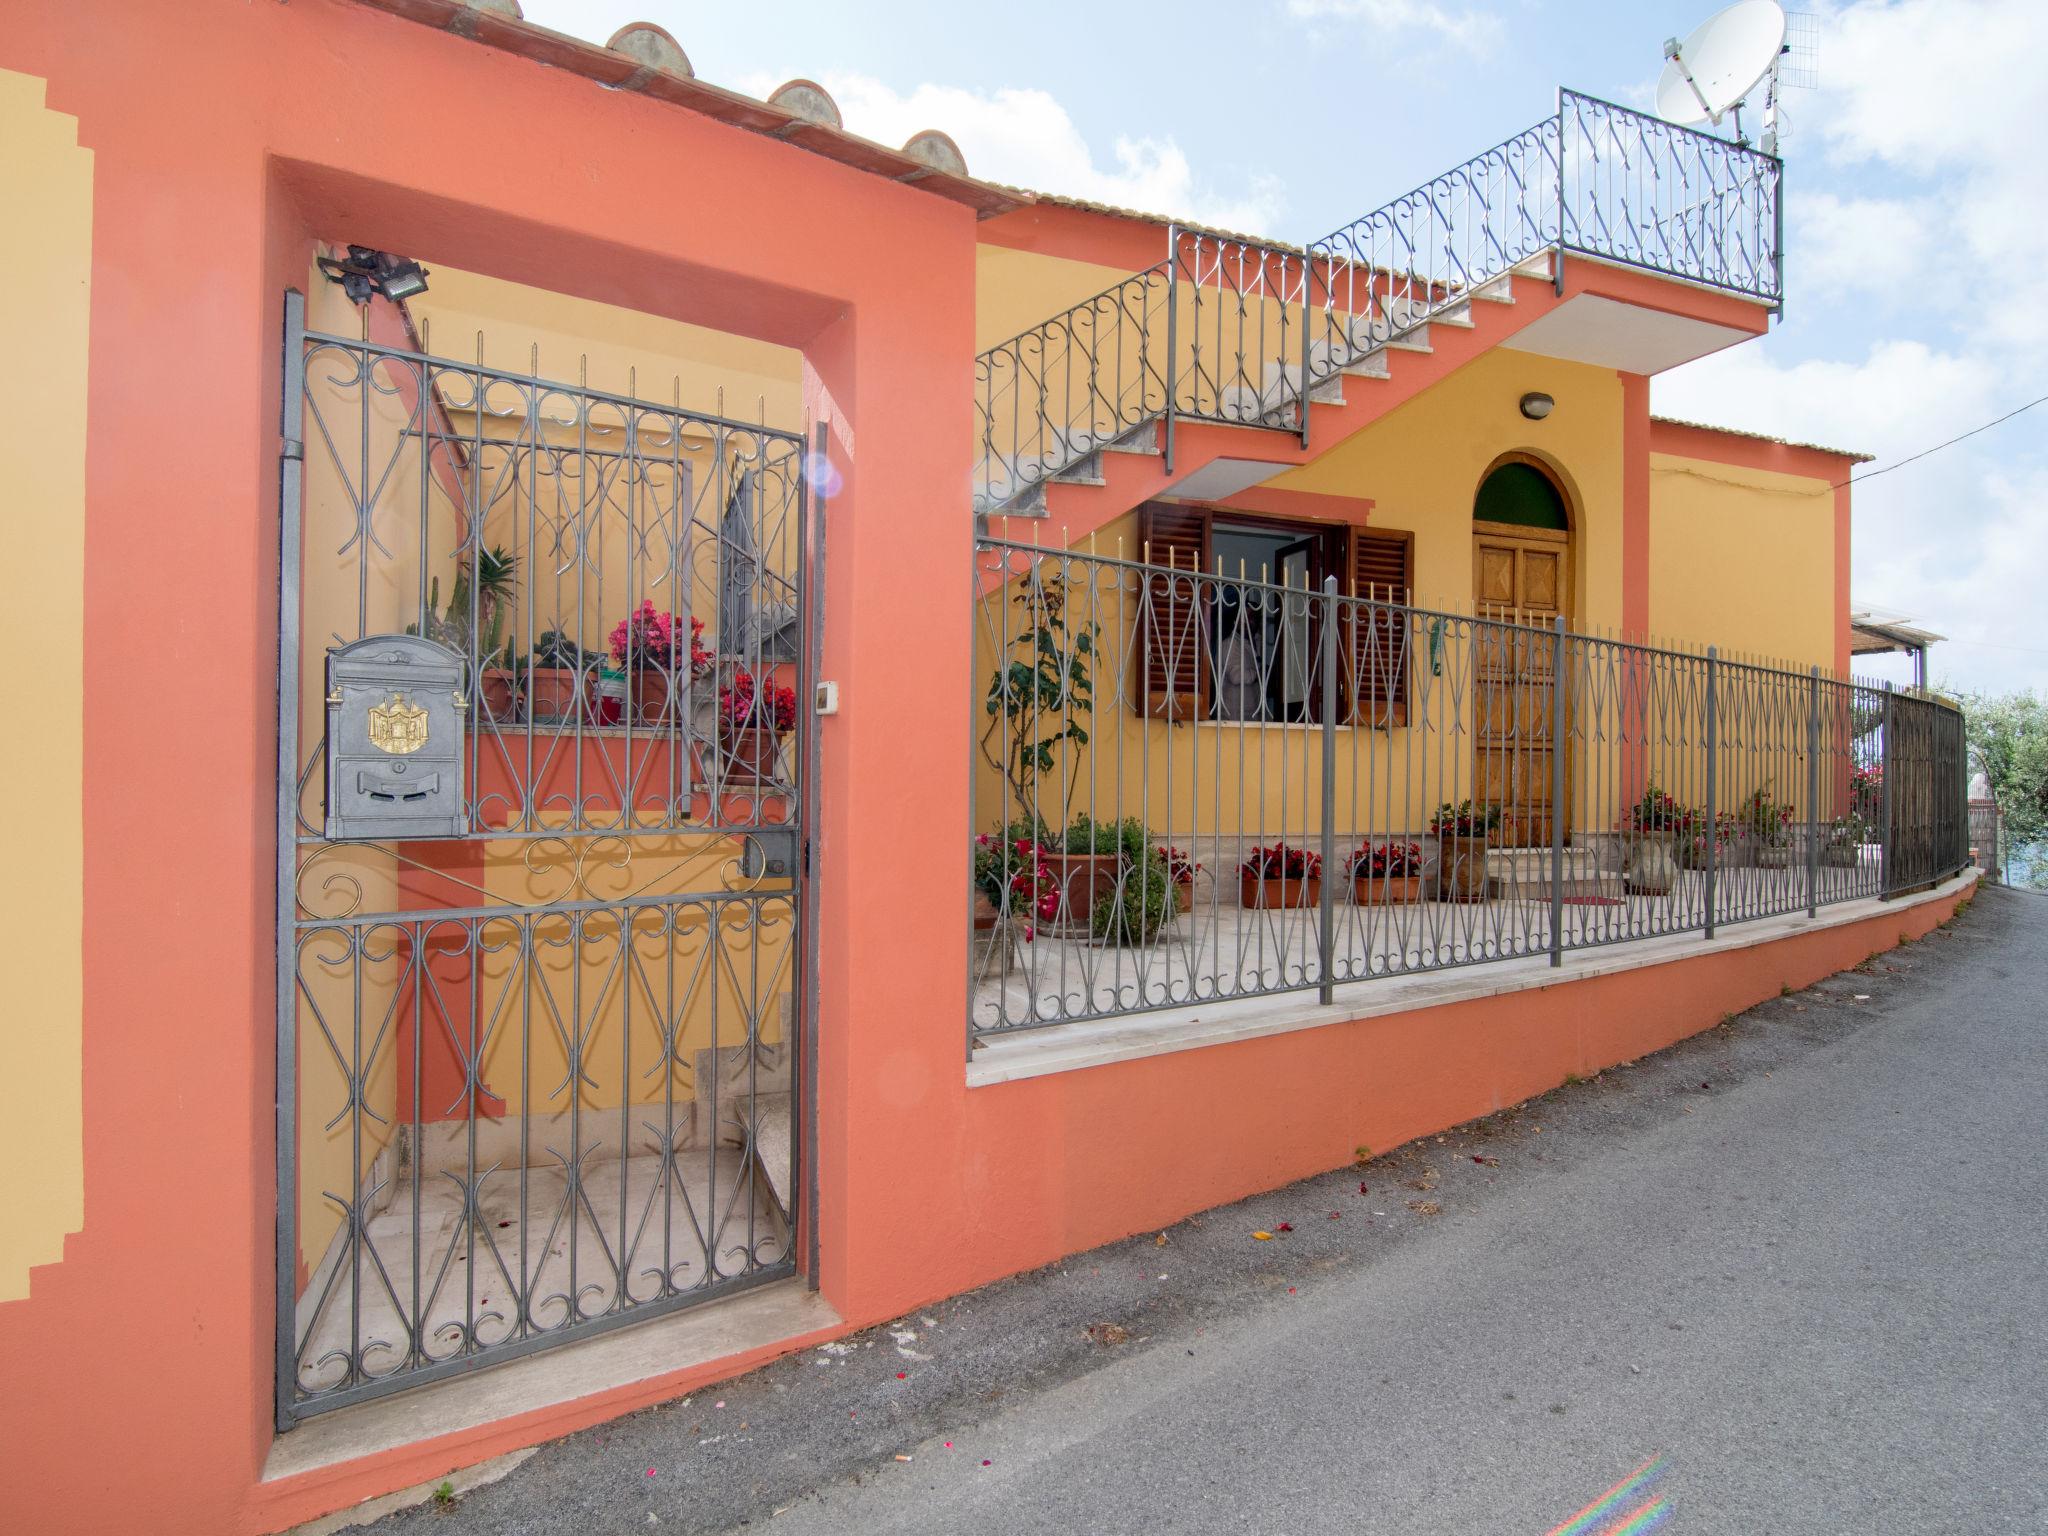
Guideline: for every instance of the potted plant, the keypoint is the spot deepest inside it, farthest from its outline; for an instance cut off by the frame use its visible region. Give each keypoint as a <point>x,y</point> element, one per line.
<point>1762,831</point>
<point>1386,874</point>
<point>1137,907</point>
<point>1280,876</point>
<point>1723,837</point>
<point>1088,857</point>
<point>1012,877</point>
<point>1462,832</point>
<point>1180,874</point>
<point>752,720</point>
<point>555,679</point>
<point>648,644</point>
<point>473,624</point>
<point>1842,847</point>
<point>1649,829</point>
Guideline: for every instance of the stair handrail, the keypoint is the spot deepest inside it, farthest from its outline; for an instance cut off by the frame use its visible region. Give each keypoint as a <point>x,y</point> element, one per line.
<point>1594,178</point>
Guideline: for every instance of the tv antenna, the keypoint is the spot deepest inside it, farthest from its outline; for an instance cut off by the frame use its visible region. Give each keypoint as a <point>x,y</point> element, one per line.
<point>1715,71</point>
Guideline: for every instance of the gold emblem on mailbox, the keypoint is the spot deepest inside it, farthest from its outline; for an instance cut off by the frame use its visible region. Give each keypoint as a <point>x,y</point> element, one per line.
<point>398,726</point>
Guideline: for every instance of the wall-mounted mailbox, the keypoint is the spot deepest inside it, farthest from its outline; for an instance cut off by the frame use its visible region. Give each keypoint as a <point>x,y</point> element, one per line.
<point>395,717</point>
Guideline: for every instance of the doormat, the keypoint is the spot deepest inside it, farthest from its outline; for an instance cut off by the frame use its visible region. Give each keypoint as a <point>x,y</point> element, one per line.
<point>1594,901</point>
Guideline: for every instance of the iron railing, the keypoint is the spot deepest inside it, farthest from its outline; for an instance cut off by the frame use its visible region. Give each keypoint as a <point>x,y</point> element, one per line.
<point>1191,787</point>
<point>1239,331</point>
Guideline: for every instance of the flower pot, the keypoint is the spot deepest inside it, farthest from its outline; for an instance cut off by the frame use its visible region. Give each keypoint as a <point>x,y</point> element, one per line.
<point>1777,856</point>
<point>1386,890</point>
<point>1279,890</point>
<point>554,695</point>
<point>1650,870</point>
<point>752,753</point>
<point>608,707</point>
<point>1461,868</point>
<point>1841,855</point>
<point>984,911</point>
<point>651,702</point>
<point>1083,879</point>
<point>1184,896</point>
<point>499,694</point>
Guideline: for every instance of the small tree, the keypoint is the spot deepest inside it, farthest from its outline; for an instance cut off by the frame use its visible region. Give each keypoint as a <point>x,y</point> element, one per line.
<point>2008,742</point>
<point>1038,697</point>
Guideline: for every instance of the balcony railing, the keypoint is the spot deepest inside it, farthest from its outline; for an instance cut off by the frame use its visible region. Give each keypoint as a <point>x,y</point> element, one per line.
<point>1242,332</point>
<point>1192,787</point>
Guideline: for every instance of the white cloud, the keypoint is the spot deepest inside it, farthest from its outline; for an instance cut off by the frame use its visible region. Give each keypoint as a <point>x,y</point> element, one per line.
<point>1026,138</point>
<point>1946,94</point>
<point>1915,199</point>
<point>1473,31</point>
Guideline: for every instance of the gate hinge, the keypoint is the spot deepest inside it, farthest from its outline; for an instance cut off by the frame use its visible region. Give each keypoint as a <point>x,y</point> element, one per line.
<point>293,449</point>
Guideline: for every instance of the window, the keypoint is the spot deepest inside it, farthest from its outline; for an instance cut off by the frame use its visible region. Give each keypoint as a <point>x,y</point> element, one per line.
<point>1228,641</point>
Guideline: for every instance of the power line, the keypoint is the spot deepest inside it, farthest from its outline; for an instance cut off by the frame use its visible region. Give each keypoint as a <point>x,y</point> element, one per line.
<point>2008,416</point>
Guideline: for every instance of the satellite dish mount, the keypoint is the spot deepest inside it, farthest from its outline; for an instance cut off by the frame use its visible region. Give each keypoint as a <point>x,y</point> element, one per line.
<point>1713,73</point>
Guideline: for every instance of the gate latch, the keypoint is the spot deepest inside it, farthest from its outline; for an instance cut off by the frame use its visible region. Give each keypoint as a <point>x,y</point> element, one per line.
<point>770,855</point>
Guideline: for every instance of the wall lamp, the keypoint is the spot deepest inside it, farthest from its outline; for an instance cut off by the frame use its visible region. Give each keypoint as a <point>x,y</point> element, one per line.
<point>367,272</point>
<point>1536,406</point>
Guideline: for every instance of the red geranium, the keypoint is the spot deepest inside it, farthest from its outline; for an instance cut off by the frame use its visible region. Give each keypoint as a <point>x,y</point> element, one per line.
<point>743,706</point>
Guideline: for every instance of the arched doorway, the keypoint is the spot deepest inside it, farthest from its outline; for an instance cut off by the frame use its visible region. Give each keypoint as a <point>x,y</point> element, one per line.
<point>1521,576</point>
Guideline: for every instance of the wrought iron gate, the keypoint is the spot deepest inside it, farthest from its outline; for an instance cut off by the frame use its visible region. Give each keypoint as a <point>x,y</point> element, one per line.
<point>546,1076</point>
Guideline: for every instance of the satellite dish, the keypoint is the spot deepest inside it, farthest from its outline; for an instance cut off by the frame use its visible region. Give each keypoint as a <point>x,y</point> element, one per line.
<point>1713,71</point>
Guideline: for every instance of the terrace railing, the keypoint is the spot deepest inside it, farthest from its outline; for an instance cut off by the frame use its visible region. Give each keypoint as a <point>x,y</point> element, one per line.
<point>1191,787</point>
<point>1242,332</point>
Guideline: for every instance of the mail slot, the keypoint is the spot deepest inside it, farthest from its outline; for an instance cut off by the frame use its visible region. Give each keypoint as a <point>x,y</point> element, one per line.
<point>395,716</point>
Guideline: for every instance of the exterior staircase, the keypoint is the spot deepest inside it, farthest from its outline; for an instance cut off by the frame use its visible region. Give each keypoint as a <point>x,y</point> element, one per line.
<point>1284,343</point>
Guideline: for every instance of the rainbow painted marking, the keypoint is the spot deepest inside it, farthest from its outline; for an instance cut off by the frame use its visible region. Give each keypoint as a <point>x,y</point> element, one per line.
<point>1622,1509</point>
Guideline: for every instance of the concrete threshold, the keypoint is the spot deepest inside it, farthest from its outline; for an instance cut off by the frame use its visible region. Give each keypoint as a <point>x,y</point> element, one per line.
<point>1029,1053</point>
<point>774,1314</point>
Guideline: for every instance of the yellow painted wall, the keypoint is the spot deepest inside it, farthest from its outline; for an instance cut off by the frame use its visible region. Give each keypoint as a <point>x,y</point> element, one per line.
<point>1422,464</point>
<point>618,351</point>
<point>45,308</point>
<point>1015,290</point>
<point>1743,559</point>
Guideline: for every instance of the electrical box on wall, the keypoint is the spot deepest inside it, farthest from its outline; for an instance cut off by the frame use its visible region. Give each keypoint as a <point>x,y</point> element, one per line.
<point>395,718</point>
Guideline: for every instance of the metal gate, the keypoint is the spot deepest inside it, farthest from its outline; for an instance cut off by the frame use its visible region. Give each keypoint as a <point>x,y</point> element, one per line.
<point>544,959</point>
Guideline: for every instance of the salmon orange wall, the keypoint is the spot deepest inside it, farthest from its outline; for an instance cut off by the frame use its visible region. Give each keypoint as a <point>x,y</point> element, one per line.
<point>46,189</point>
<point>224,138</point>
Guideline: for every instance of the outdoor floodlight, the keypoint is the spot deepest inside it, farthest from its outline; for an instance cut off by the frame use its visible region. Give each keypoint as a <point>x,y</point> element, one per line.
<point>368,272</point>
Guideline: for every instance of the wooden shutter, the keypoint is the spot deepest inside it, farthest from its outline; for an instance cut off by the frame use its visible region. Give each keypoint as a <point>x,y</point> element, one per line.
<point>1169,635</point>
<point>1381,568</point>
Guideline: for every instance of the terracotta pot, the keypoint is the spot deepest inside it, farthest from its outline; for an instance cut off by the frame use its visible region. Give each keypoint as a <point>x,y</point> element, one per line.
<point>1279,890</point>
<point>752,753</point>
<point>1461,868</point>
<point>1184,896</point>
<point>553,695</point>
<point>984,911</point>
<point>499,694</point>
<point>1083,880</point>
<point>651,702</point>
<point>1386,890</point>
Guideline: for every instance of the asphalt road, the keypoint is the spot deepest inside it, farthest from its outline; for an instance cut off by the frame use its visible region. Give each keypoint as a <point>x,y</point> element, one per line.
<point>1797,1263</point>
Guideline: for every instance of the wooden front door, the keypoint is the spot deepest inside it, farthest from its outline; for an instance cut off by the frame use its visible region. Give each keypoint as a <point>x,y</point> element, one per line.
<point>1521,583</point>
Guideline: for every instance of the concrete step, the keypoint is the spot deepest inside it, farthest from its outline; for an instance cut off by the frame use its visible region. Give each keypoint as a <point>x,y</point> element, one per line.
<point>1500,291</point>
<point>1535,266</point>
<point>1459,315</point>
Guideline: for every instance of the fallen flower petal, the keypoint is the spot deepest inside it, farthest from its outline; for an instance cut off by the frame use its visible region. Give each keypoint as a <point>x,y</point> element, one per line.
<point>1285,1226</point>
<point>1263,1237</point>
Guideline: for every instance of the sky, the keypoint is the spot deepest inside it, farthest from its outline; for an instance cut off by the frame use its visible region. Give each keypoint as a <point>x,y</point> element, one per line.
<point>1916,197</point>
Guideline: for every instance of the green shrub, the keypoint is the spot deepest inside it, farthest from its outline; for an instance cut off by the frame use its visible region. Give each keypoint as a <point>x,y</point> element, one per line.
<point>1141,905</point>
